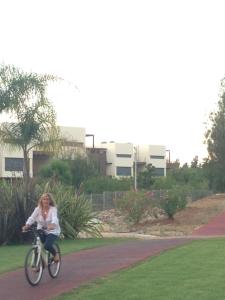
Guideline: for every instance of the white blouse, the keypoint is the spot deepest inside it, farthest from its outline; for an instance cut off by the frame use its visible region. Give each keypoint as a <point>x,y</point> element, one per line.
<point>51,218</point>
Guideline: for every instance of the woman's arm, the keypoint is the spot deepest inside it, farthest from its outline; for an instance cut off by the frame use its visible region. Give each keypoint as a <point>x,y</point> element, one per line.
<point>33,217</point>
<point>54,219</point>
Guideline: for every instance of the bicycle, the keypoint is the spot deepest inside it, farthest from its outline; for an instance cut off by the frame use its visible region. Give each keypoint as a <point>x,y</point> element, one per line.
<point>38,258</point>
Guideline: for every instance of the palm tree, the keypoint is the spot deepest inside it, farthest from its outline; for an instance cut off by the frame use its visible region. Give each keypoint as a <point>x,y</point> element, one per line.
<point>23,95</point>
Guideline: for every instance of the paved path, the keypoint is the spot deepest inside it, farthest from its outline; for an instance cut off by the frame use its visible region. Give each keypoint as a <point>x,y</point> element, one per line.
<point>216,227</point>
<point>82,267</point>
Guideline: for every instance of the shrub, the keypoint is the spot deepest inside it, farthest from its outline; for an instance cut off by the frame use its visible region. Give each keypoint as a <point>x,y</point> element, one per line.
<point>174,201</point>
<point>57,170</point>
<point>104,183</point>
<point>15,207</point>
<point>135,205</point>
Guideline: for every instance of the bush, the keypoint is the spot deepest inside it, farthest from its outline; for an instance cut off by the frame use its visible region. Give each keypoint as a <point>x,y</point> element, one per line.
<point>135,205</point>
<point>57,170</point>
<point>102,184</point>
<point>174,201</point>
<point>15,207</point>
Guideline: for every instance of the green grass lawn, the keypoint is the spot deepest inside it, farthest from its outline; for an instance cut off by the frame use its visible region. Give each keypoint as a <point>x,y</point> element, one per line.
<point>12,257</point>
<point>195,271</point>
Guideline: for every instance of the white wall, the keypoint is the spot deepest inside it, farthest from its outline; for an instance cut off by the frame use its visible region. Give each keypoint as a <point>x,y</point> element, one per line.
<point>6,151</point>
<point>144,153</point>
<point>113,149</point>
<point>75,134</point>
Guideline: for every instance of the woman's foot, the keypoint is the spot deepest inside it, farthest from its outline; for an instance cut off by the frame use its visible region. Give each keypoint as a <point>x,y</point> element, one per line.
<point>56,257</point>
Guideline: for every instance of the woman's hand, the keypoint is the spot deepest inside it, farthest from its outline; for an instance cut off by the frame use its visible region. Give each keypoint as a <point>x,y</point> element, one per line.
<point>25,227</point>
<point>51,226</point>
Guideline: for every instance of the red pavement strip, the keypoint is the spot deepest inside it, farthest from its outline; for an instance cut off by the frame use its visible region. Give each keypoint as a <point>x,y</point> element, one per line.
<point>216,227</point>
<point>82,267</point>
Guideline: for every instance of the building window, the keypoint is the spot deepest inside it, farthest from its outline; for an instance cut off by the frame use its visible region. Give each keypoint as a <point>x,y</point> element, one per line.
<point>157,156</point>
<point>123,171</point>
<point>123,155</point>
<point>13,164</point>
<point>158,172</point>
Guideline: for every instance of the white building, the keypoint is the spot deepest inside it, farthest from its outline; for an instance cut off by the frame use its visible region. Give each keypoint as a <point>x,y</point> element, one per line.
<point>11,161</point>
<point>120,159</point>
<point>152,154</point>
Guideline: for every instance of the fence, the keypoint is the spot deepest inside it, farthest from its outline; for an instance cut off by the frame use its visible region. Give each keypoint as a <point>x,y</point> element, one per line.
<point>104,201</point>
<point>107,200</point>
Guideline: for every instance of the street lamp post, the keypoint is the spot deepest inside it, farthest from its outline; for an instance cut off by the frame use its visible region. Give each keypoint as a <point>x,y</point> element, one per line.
<point>135,168</point>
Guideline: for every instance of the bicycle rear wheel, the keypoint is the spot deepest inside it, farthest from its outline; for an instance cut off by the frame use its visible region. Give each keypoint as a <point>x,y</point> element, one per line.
<point>33,267</point>
<point>54,267</point>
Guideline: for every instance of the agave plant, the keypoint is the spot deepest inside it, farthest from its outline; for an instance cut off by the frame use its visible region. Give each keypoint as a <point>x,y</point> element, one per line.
<point>14,209</point>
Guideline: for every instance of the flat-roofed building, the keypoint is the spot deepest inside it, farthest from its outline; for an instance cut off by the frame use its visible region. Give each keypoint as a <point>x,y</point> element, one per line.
<point>11,161</point>
<point>120,159</point>
<point>152,154</point>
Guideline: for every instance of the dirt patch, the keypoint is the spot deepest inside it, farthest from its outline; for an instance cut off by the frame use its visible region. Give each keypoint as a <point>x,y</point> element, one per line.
<point>192,217</point>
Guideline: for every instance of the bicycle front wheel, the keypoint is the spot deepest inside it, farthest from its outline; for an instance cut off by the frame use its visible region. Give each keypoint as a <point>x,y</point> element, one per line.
<point>54,267</point>
<point>33,267</point>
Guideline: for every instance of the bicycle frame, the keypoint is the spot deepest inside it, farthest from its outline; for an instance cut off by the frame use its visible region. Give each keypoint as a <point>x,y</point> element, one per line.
<point>42,254</point>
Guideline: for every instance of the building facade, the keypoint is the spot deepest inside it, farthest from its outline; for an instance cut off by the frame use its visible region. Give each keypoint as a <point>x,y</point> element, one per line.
<point>151,154</point>
<point>120,159</point>
<point>113,159</point>
<point>11,161</point>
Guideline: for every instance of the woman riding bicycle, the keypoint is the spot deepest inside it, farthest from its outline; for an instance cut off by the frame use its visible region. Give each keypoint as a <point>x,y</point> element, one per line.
<point>45,214</point>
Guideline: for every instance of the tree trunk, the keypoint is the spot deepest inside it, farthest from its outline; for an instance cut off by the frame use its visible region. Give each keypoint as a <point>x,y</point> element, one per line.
<point>26,176</point>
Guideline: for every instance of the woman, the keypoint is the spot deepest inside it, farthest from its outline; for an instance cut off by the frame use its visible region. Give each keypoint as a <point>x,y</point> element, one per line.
<point>45,214</point>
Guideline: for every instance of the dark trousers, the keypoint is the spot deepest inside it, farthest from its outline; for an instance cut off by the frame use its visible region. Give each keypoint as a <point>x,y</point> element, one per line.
<point>48,241</point>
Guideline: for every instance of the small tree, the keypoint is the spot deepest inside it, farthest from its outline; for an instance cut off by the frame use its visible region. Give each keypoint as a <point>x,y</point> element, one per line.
<point>175,201</point>
<point>194,162</point>
<point>146,177</point>
<point>23,96</point>
<point>57,170</point>
<point>82,168</point>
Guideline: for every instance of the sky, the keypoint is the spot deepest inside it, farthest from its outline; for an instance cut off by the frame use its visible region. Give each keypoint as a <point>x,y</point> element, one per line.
<point>144,72</point>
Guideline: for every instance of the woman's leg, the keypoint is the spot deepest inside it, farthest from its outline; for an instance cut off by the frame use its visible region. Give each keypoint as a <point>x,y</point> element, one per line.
<point>48,245</point>
<point>42,235</point>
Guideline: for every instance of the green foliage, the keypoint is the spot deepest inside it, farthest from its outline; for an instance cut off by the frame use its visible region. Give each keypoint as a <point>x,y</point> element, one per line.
<point>57,170</point>
<point>14,209</point>
<point>102,183</point>
<point>186,177</point>
<point>145,178</point>
<point>163,183</point>
<point>82,169</point>
<point>214,172</point>
<point>215,140</point>
<point>23,96</point>
<point>135,205</point>
<point>176,200</point>
<point>18,87</point>
<point>70,171</point>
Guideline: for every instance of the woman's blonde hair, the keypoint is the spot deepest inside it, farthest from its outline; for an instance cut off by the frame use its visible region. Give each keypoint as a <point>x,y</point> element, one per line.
<point>50,198</point>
